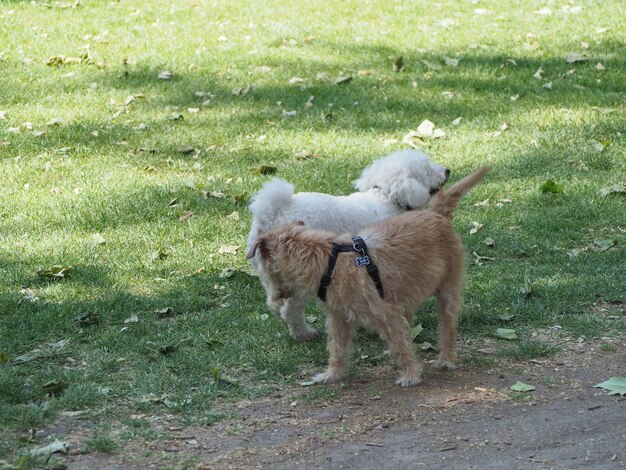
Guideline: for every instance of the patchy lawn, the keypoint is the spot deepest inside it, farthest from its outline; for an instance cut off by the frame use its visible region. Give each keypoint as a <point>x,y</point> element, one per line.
<point>132,136</point>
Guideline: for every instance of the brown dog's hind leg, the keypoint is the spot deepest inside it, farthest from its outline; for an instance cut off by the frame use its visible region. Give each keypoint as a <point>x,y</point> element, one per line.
<point>448,305</point>
<point>394,329</point>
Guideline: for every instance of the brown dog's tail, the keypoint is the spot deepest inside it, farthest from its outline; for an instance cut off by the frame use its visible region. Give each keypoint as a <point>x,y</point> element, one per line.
<point>445,201</point>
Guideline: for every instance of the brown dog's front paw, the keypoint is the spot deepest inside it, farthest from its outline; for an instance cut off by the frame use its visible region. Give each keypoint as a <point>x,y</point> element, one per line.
<point>408,380</point>
<point>327,377</point>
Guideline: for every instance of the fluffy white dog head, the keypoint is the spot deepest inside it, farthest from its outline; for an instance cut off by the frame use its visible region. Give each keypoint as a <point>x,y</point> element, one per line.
<point>407,177</point>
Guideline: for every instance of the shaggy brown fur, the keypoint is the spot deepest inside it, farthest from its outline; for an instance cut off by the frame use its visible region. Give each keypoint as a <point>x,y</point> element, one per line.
<point>417,253</point>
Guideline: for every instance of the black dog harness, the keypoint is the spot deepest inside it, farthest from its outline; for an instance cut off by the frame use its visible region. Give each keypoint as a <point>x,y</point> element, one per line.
<point>358,246</point>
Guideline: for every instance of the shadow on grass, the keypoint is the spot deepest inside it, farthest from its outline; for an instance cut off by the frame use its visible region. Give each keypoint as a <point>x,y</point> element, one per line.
<point>483,84</point>
<point>384,106</point>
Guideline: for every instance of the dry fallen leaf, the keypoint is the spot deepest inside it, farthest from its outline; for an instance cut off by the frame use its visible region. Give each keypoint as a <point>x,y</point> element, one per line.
<point>573,58</point>
<point>305,155</point>
<point>617,188</point>
<point>598,147</point>
<point>574,9</point>
<point>129,99</point>
<point>186,216</point>
<point>603,110</point>
<point>412,140</point>
<point>55,122</point>
<point>504,127</point>
<point>482,203</point>
<point>242,91</point>
<point>204,94</point>
<point>428,130</point>
<point>62,60</point>
<point>604,244</point>
<point>447,22</point>
<point>543,11</point>
<point>264,170</point>
<point>98,239</point>
<point>29,294</point>
<point>431,65</point>
<point>342,80</point>
<point>478,259</point>
<point>476,226</point>
<point>228,249</point>
<point>56,446</point>
<point>187,150</point>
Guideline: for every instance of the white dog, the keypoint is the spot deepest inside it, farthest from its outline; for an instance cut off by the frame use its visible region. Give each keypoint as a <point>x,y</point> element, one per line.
<point>399,182</point>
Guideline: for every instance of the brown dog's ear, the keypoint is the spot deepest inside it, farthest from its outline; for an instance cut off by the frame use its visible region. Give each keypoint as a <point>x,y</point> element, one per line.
<point>252,250</point>
<point>261,244</point>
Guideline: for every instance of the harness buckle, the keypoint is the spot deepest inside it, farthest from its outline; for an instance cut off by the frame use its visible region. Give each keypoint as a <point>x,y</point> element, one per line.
<point>357,244</point>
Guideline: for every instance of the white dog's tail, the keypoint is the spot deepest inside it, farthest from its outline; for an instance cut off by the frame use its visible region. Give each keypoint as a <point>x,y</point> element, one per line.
<point>274,198</point>
<point>446,200</point>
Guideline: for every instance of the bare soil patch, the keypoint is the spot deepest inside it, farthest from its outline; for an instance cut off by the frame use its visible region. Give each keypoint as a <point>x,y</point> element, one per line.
<point>466,418</point>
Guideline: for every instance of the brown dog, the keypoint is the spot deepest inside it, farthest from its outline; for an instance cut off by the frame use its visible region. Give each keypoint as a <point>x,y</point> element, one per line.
<point>418,254</point>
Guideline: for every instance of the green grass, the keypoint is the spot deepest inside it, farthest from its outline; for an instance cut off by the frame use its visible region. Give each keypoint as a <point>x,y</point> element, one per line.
<point>320,395</point>
<point>102,443</point>
<point>525,350</point>
<point>113,169</point>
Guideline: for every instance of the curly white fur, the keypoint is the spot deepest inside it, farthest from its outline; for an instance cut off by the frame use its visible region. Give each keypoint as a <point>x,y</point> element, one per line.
<point>389,186</point>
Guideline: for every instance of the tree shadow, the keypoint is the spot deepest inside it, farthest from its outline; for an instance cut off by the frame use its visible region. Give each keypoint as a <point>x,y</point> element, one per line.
<point>480,87</point>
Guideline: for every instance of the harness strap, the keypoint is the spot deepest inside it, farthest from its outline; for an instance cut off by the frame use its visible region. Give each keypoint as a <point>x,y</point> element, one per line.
<point>328,275</point>
<point>372,270</point>
<point>358,246</point>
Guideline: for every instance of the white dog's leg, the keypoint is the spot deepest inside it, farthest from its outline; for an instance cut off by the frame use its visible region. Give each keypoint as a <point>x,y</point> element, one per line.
<point>292,313</point>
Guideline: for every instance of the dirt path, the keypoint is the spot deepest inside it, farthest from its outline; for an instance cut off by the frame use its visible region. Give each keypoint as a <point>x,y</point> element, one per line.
<point>461,419</point>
